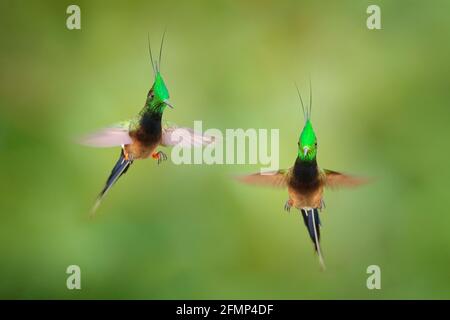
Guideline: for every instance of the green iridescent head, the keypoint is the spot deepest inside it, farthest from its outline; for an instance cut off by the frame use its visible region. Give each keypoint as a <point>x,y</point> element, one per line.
<point>158,96</point>
<point>307,143</point>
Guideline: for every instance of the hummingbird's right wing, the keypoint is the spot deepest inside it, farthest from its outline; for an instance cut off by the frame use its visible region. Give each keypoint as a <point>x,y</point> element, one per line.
<point>274,179</point>
<point>116,135</point>
<point>186,137</point>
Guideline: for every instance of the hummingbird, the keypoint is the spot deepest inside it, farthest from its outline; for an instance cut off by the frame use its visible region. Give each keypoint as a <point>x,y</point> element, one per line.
<point>140,137</point>
<point>305,181</point>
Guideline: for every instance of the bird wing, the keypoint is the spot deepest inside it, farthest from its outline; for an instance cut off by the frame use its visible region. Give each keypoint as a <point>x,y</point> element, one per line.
<point>115,135</point>
<point>187,137</point>
<point>274,179</point>
<point>335,179</point>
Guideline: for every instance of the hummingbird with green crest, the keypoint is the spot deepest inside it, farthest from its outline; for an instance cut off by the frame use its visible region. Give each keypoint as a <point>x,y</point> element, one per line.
<point>305,181</point>
<point>140,137</point>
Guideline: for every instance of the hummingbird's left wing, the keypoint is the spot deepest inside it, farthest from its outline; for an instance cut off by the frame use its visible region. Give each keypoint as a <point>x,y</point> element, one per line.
<point>335,179</point>
<point>274,179</point>
<point>186,137</point>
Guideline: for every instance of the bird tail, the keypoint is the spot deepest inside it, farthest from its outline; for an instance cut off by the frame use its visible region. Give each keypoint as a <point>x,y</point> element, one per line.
<point>119,169</point>
<point>312,223</point>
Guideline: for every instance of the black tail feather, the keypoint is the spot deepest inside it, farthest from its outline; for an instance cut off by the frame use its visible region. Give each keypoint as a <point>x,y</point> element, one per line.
<point>307,219</point>
<point>312,223</point>
<point>119,169</point>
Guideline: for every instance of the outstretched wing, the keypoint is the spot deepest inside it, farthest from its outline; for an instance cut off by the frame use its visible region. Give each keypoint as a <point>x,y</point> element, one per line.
<point>273,179</point>
<point>113,136</point>
<point>186,137</point>
<point>335,179</point>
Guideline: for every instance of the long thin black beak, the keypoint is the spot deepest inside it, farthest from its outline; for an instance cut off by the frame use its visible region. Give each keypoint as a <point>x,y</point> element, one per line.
<point>168,104</point>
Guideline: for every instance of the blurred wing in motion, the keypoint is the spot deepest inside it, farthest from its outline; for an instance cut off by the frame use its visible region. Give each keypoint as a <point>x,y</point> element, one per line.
<point>335,179</point>
<point>108,137</point>
<point>185,136</point>
<point>273,179</point>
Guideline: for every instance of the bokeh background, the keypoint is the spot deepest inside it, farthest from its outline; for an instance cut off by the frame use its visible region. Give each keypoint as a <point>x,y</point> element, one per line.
<point>381,110</point>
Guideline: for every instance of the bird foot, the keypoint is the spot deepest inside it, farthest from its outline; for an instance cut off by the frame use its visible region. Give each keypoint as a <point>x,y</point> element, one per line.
<point>126,155</point>
<point>322,205</point>
<point>288,206</point>
<point>160,156</point>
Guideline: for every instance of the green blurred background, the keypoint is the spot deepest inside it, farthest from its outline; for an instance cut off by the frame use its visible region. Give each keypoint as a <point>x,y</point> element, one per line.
<point>380,110</point>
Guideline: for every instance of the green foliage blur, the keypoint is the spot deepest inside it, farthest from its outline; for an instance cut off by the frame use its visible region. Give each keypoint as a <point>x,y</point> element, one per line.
<point>381,110</point>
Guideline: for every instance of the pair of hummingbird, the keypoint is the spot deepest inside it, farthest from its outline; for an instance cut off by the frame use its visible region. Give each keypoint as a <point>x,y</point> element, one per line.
<point>140,138</point>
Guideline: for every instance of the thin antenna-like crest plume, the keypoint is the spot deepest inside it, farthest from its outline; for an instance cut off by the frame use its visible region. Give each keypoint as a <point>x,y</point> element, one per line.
<point>160,51</point>
<point>150,52</point>
<point>301,101</point>
<point>310,98</point>
<point>306,112</point>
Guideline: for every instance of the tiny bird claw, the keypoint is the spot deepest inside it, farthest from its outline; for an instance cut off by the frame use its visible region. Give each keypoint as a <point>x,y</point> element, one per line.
<point>126,155</point>
<point>287,206</point>
<point>160,156</point>
<point>322,205</point>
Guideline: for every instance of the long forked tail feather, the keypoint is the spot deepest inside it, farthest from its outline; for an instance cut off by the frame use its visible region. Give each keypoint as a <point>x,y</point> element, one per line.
<point>312,223</point>
<point>119,169</point>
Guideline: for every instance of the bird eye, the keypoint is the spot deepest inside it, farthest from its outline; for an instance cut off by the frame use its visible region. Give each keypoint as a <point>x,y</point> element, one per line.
<point>151,94</point>
<point>315,144</point>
